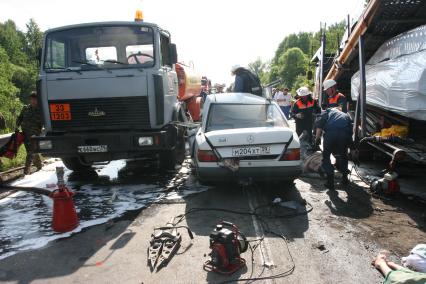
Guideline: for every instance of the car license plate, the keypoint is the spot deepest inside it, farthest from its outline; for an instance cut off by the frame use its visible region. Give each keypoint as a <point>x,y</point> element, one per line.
<point>251,151</point>
<point>93,149</point>
<point>60,112</point>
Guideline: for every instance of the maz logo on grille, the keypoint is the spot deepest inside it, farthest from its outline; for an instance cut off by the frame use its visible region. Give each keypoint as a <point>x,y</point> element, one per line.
<point>96,113</point>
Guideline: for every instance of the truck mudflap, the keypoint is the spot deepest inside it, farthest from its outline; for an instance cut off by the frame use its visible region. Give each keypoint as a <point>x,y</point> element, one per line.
<point>98,146</point>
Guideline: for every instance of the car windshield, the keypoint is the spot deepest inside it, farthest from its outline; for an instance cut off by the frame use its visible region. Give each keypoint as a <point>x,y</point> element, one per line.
<point>94,48</point>
<point>231,116</point>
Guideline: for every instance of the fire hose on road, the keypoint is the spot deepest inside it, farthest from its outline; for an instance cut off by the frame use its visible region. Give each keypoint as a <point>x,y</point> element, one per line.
<point>64,217</point>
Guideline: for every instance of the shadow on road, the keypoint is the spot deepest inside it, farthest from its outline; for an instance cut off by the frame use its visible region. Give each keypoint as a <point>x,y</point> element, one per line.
<point>357,203</point>
<point>258,197</point>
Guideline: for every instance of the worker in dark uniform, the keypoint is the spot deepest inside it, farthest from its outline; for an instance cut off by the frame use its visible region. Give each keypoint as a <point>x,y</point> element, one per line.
<point>335,99</point>
<point>246,81</point>
<point>30,121</point>
<point>337,128</point>
<point>303,111</point>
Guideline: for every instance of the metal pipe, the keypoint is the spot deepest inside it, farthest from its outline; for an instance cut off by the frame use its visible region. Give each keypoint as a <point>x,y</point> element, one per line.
<point>355,134</point>
<point>360,28</point>
<point>323,46</point>
<point>362,97</point>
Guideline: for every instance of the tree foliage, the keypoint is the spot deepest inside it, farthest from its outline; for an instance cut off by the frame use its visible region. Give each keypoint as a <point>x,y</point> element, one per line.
<point>292,64</point>
<point>18,66</point>
<point>291,60</point>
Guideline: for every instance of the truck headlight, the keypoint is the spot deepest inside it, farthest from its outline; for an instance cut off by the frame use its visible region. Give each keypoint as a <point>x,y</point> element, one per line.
<point>145,141</point>
<point>45,144</point>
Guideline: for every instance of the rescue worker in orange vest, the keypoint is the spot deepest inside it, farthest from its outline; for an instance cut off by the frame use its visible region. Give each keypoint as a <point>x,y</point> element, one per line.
<point>303,111</point>
<point>335,99</point>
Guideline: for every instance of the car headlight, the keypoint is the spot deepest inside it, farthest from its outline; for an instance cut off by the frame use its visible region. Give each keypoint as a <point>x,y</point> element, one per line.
<point>45,144</point>
<point>145,141</point>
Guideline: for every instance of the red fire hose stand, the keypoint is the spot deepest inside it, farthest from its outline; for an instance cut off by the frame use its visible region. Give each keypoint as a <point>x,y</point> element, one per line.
<point>65,217</point>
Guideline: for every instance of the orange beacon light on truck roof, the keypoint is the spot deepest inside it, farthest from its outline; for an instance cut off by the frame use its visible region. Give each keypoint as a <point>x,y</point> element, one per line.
<point>139,16</point>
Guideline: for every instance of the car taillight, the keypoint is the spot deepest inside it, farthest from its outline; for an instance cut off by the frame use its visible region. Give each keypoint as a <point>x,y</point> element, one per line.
<point>206,156</point>
<point>291,155</point>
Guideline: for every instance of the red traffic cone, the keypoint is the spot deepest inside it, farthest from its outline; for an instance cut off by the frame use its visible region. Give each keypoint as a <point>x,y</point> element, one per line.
<point>64,215</point>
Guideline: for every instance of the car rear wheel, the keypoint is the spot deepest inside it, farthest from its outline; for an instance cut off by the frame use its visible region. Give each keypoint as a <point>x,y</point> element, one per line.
<point>75,164</point>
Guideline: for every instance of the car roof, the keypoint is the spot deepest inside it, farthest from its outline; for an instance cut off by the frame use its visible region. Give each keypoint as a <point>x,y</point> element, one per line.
<point>237,98</point>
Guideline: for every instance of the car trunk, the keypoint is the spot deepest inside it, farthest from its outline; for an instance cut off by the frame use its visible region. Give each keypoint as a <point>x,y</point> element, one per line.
<point>252,143</point>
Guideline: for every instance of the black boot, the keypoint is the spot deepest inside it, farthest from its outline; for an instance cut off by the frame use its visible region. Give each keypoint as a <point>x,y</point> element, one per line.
<point>330,182</point>
<point>345,180</point>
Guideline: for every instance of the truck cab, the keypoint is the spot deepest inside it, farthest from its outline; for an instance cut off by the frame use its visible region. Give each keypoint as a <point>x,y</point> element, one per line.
<point>108,91</point>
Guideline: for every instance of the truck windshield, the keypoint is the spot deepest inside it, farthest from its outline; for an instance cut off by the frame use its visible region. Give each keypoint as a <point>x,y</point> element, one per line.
<point>231,116</point>
<point>94,48</point>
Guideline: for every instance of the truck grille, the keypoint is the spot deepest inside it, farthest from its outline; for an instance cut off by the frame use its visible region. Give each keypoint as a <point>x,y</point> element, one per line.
<point>105,113</point>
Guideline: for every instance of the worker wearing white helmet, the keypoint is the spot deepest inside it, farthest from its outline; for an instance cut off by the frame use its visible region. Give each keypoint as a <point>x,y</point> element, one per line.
<point>334,98</point>
<point>246,81</point>
<point>303,111</point>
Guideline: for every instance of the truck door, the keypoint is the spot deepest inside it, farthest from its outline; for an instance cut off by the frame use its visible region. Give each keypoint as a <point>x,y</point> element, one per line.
<point>170,82</point>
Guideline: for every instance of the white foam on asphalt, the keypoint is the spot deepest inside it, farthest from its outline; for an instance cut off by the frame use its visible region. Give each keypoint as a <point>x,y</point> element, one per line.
<point>25,218</point>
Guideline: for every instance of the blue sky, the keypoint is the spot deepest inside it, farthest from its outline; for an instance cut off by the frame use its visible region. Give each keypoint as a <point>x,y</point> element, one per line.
<point>213,34</point>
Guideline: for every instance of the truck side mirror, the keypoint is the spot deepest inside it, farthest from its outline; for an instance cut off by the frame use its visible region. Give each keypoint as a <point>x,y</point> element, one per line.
<point>173,53</point>
<point>39,55</point>
<point>309,75</point>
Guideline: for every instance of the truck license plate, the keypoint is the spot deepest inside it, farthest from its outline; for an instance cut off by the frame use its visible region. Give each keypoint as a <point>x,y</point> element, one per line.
<point>251,151</point>
<point>93,149</point>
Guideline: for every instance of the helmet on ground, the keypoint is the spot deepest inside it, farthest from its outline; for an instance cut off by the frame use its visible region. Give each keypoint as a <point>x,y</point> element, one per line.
<point>328,84</point>
<point>303,92</point>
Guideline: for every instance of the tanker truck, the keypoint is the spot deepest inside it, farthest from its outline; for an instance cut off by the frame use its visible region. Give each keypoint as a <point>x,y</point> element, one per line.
<point>189,91</point>
<point>109,91</point>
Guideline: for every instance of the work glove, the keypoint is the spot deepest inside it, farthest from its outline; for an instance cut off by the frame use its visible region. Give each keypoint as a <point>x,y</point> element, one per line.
<point>299,115</point>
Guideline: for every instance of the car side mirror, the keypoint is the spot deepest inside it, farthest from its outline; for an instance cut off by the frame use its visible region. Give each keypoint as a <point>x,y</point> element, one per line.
<point>173,53</point>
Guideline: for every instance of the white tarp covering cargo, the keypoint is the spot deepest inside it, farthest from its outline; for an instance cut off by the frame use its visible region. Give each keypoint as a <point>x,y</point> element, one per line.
<point>396,75</point>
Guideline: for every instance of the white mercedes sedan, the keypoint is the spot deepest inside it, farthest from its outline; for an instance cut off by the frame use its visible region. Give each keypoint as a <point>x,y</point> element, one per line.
<point>243,136</point>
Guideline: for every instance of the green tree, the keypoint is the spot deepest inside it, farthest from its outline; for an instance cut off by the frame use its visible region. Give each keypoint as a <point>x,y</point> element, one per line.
<point>301,40</point>
<point>10,105</point>
<point>291,64</point>
<point>34,39</point>
<point>22,50</point>
<point>13,42</point>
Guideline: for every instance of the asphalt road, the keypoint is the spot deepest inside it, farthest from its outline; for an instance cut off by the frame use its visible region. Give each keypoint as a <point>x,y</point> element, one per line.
<point>323,246</point>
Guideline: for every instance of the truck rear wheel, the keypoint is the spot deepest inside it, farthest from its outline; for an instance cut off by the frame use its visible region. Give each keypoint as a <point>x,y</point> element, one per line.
<point>75,164</point>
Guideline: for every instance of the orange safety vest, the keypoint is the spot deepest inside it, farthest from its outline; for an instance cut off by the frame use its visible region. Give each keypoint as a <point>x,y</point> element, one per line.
<point>333,100</point>
<point>301,105</point>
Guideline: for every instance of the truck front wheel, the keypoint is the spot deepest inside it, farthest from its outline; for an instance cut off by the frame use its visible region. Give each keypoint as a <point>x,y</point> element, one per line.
<point>75,164</point>
<point>169,159</point>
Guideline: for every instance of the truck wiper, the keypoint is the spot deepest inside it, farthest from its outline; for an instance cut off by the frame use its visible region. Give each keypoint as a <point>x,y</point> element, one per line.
<point>60,69</point>
<point>115,61</point>
<point>85,62</point>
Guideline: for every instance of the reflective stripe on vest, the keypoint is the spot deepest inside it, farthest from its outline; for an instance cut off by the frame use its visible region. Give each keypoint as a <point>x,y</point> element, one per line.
<point>333,100</point>
<point>301,105</point>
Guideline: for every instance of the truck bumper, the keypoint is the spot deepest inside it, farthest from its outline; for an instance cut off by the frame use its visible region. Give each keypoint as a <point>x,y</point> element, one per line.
<point>119,145</point>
